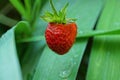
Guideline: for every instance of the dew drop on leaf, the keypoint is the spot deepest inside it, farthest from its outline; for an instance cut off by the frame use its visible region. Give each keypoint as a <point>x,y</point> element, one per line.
<point>76,55</point>
<point>81,32</point>
<point>75,63</point>
<point>65,73</point>
<point>67,69</point>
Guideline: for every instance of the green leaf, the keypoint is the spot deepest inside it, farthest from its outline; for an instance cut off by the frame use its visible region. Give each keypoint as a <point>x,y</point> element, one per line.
<point>8,52</point>
<point>28,5</point>
<point>32,51</point>
<point>28,8</point>
<point>108,32</point>
<point>9,64</point>
<point>19,6</point>
<point>35,12</point>
<point>105,55</point>
<point>7,21</point>
<point>32,39</point>
<point>53,8</point>
<point>23,30</point>
<point>55,17</point>
<point>63,10</point>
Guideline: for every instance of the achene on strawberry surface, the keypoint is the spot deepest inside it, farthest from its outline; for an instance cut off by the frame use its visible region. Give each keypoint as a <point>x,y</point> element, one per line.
<point>61,32</point>
<point>60,37</point>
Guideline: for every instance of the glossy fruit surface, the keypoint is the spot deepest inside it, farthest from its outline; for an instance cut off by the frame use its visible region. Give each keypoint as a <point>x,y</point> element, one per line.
<point>60,37</point>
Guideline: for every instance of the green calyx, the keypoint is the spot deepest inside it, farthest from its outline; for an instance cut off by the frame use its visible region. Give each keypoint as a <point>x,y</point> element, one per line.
<point>57,17</point>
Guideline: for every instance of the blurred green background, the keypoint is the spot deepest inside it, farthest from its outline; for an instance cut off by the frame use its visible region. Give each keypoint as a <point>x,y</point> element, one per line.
<point>94,58</point>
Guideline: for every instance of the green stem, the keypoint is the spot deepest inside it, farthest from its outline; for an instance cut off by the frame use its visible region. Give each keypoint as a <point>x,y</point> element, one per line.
<point>82,34</point>
<point>7,21</point>
<point>31,39</point>
<point>5,10</point>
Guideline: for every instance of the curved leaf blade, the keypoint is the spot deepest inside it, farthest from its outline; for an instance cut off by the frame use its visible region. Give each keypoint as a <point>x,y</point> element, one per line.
<point>9,64</point>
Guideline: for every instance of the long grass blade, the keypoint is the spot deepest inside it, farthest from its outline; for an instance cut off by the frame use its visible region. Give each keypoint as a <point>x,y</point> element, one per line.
<point>104,60</point>
<point>36,10</point>
<point>84,34</point>
<point>19,6</point>
<point>28,8</point>
<point>7,21</point>
<point>32,39</point>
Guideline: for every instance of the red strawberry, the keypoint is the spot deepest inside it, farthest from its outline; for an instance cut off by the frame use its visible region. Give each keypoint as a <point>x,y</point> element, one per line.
<point>60,37</point>
<point>61,32</point>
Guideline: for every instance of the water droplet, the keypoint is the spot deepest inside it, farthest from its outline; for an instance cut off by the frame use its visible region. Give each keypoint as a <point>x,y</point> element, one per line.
<point>81,32</point>
<point>65,73</point>
<point>74,63</point>
<point>67,69</point>
<point>75,56</point>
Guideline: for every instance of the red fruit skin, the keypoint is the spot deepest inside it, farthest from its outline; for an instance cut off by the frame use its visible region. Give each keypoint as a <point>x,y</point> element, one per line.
<point>60,37</point>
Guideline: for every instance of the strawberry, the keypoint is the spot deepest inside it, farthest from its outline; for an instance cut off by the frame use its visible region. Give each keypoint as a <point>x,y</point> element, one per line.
<point>60,37</point>
<point>61,32</point>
